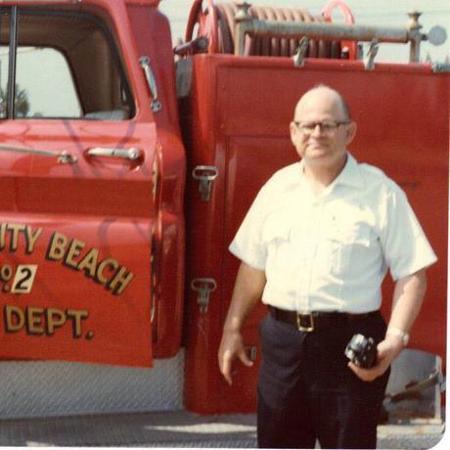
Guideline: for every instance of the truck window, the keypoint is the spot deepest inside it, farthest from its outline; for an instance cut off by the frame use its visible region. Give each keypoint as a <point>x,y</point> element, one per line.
<point>35,96</point>
<point>64,65</point>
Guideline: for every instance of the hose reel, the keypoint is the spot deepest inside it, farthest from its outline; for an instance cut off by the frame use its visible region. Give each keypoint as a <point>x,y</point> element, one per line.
<point>217,21</point>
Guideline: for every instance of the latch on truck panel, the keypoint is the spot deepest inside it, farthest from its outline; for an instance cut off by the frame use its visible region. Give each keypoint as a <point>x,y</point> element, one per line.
<point>204,286</point>
<point>205,175</point>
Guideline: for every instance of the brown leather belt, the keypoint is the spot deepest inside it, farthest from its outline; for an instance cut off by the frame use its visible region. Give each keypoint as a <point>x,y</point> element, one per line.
<point>309,322</point>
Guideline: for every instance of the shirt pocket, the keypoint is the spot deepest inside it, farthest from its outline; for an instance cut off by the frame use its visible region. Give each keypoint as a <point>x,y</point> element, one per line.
<point>347,248</point>
<point>277,238</point>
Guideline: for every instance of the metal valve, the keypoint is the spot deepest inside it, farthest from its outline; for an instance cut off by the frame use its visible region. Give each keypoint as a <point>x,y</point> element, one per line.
<point>437,35</point>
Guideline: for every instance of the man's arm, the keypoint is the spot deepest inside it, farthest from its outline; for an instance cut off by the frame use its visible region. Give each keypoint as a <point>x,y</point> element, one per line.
<point>247,291</point>
<point>407,301</point>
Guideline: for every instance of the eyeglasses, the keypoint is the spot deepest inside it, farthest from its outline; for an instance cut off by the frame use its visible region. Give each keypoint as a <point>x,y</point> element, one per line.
<point>325,127</point>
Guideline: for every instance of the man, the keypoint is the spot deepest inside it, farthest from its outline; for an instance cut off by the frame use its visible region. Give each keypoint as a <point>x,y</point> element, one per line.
<point>316,245</point>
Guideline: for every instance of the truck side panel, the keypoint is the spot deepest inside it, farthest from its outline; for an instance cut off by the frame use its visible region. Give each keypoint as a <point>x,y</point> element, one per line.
<point>240,110</point>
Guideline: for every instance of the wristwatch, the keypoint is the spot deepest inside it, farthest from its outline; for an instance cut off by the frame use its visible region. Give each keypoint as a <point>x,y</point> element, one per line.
<point>394,331</point>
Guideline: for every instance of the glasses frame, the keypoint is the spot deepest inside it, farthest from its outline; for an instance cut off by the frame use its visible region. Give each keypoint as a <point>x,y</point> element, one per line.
<point>325,126</point>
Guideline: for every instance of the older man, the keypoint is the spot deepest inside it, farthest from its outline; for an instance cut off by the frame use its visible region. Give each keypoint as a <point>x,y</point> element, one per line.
<point>316,245</point>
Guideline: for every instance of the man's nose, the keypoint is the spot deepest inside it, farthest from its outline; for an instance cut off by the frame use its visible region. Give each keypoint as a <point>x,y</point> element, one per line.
<point>317,130</point>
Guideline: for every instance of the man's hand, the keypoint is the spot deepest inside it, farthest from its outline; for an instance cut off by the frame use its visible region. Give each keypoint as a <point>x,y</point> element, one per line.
<point>387,351</point>
<point>408,297</point>
<point>232,346</point>
<point>247,291</point>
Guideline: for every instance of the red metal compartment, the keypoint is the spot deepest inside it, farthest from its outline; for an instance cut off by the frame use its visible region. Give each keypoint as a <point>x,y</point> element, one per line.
<point>239,113</point>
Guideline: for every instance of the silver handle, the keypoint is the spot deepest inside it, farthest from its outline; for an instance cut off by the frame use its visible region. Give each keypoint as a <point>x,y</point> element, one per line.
<point>61,157</point>
<point>144,61</point>
<point>204,286</point>
<point>130,154</point>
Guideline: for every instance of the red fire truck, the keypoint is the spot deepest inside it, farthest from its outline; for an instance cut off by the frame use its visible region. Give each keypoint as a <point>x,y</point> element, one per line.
<point>126,170</point>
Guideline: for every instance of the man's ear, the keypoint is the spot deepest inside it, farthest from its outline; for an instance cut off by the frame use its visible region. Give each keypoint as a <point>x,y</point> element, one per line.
<point>351,132</point>
<point>293,131</point>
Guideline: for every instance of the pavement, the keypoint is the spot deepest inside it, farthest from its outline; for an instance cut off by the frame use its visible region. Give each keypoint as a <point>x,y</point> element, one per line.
<point>177,429</point>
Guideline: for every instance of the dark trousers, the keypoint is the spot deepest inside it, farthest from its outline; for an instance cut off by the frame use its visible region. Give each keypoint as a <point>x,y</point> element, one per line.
<point>307,392</point>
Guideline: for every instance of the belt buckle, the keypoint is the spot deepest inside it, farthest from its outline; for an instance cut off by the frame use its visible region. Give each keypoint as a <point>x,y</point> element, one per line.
<point>308,328</point>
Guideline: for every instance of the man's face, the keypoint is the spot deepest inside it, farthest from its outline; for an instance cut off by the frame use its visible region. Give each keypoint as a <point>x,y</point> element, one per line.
<point>321,131</point>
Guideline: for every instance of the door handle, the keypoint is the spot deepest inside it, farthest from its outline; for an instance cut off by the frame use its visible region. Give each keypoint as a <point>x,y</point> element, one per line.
<point>132,154</point>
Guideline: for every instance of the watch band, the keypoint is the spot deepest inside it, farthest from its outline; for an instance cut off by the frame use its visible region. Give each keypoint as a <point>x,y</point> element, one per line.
<point>394,331</point>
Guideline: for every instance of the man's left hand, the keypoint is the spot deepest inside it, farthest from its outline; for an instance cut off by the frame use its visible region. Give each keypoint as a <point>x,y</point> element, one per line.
<point>387,350</point>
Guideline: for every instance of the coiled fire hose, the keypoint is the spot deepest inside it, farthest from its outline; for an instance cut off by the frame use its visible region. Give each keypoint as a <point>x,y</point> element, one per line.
<point>217,23</point>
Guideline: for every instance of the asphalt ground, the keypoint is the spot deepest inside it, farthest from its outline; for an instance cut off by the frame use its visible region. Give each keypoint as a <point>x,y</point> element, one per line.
<point>176,429</point>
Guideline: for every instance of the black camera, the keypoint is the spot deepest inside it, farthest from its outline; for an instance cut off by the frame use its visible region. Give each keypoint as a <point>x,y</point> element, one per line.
<point>362,351</point>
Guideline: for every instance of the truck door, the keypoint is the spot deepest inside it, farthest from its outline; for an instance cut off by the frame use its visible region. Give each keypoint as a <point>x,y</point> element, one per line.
<point>78,202</point>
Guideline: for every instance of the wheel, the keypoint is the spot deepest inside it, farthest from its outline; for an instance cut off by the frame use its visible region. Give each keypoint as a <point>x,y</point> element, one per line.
<point>207,24</point>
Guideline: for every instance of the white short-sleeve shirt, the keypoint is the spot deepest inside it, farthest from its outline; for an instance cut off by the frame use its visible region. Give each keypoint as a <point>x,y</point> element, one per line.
<point>330,252</point>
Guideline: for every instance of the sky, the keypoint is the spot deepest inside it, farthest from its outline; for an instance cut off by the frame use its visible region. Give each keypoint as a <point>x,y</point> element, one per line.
<point>391,13</point>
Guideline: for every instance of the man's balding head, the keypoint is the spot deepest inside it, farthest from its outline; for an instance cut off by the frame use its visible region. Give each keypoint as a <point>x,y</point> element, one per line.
<point>320,92</point>
<point>322,128</point>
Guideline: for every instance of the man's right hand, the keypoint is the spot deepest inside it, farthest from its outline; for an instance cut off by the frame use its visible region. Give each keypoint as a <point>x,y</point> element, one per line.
<point>247,291</point>
<point>232,346</point>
